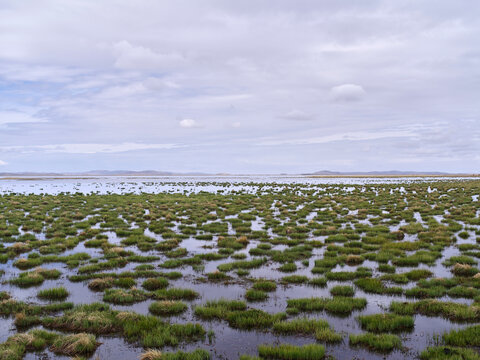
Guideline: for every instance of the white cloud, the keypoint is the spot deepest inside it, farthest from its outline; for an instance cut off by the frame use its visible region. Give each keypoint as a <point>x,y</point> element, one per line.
<point>15,117</point>
<point>347,92</point>
<point>87,148</point>
<point>122,91</point>
<point>347,136</point>
<point>132,57</point>
<point>297,115</point>
<point>188,123</point>
<point>38,73</point>
<point>127,79</point>
<point>3,163</point>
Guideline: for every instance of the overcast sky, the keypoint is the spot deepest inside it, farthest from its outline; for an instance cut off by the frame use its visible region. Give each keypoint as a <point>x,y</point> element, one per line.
<point>250,86</point>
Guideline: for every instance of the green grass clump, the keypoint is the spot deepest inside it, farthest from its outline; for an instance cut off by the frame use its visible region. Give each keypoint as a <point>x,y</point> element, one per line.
<point>317,327</point>
<point>464,270</point>
<point>76,344</point>
<point>318,282</point>
<point>17,345</point>
<point>448,310</point>
<point>101,284</point>
<point>288,267</point>
<point>295,279</point>
<point>300,326</point>
<point>152,332</point>
<point>386,322</point>
<point>461,259</point>
<point>361,272</point>
<point>256,295</point>
<point>249,357</point>
<point>59,293</point>
<point>253,319</point>
<point>336,305</point>
<point>463,292</point>
<point>106,265</point>
<point>418,274</point>
<point>292,352</point>
<point>23,321</point>
<point>24,264</point>
<point>94,318</point>
<point>34,278</point>
<point>380,342</point>
<point>327,336</point>
<point>389,269</point>
<point>176,294</point>
<point>265,285</point>
<point>396,278</point>
<point>167,307</point>
<point>156,283</point>
<point>125,282</point>
<point>219,309</point>
<point>217,276</point>
<point>198,354</point>
<point>341,290</point>
<point>422,293</point>
<point>448,353</point>
<point>376,286</point>
<point>469,336</point>
<point>122,297</point>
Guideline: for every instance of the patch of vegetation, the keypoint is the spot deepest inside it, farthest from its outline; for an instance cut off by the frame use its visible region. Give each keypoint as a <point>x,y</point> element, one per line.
<point>376,342</point>
<point>59,293</point>
<point>167,307</point>
<point>341,290</point>
<point>386,322</point>
<point>449,310</point>
<point>336,305</point>
<point>448,353</point>
<point>256,295</point>
<point>292,352</point>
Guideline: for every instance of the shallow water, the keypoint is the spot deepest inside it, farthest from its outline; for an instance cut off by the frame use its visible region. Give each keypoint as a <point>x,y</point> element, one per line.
<point>229,343</point>
<point>186,184</point>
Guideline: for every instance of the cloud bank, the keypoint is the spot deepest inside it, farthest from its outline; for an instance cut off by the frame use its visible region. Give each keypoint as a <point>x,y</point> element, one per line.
<point>247,87</point>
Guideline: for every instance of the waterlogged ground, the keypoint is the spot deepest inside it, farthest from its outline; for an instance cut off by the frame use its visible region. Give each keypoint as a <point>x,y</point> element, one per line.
<point>230,265</point>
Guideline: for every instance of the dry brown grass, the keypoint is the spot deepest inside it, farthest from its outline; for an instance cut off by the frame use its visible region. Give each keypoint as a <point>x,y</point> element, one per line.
<point>151,355</point>
<point>126,315</point>
<point>100,284</point>
<point>75,344</point>
<point>353,260</point>
<point>19,247</point>
<point>243,240</point>
<point>23,338</point>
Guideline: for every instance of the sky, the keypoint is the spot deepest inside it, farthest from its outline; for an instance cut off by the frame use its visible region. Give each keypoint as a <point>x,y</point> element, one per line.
<point>251,86</point>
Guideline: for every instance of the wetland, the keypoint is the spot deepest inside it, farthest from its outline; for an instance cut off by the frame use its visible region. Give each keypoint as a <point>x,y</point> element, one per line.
<point>243,268</point>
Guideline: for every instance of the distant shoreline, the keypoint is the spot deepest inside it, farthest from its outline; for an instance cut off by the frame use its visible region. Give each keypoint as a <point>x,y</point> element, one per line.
<point>397,176</point>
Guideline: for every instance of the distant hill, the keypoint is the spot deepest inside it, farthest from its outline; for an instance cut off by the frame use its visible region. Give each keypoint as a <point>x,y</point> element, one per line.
<point>326,173</point>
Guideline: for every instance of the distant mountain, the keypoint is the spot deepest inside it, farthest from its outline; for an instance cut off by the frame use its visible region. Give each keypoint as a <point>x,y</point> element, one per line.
<point>124,172</point>
<point>170,173</point>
